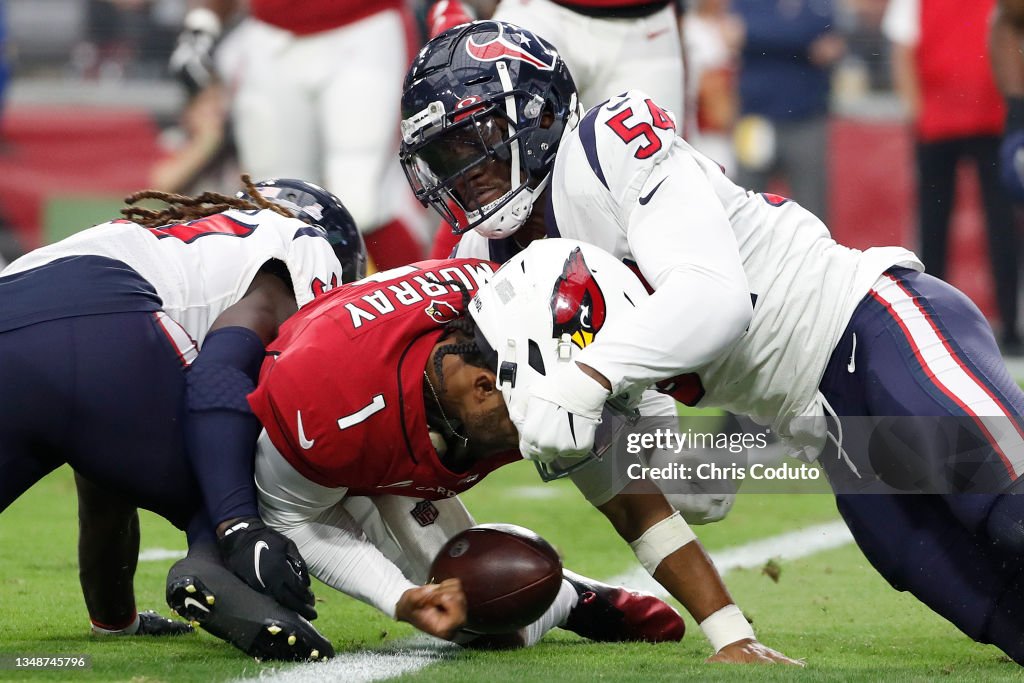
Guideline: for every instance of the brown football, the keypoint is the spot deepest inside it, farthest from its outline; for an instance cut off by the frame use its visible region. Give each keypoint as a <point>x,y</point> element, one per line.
<point>510,575</point>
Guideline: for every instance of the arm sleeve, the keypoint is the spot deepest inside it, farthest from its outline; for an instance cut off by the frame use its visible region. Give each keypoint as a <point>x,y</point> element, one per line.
<point>338,553</point>
<point>220,429</point>
<point>685,247</point>
<point>331,542</point>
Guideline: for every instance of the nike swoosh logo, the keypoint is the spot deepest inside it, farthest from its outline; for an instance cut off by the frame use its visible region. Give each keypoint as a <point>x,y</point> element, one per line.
<point>196,603</point>
<point>654,34</point>
<point>644,200</point>
<point>303,441</point>
<point>260,547</point>
<point>853,355</point>
<point>618,105</point>
<point>407,482</point>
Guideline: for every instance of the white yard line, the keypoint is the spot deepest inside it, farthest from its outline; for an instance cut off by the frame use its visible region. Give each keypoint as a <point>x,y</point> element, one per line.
<point>791,545</point>
<point>402,657</point>
<point>413,654</point>
<point>160,554</point>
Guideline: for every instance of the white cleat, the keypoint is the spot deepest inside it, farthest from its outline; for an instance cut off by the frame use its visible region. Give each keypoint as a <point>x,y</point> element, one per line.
<point>291,639</point>
<point>274,630</point>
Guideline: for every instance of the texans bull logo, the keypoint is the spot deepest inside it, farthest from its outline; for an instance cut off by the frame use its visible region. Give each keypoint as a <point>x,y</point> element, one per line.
<point>577,302</point>
<point>441,312</point>
<point>525,48</point>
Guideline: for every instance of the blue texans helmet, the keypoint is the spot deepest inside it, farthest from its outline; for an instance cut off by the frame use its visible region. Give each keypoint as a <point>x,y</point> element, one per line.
<point>486,92</point>
<point>320,209</point>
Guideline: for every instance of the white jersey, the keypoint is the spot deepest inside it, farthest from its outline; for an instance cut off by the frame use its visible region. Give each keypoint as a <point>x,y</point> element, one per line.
<point>204,266</point>
<point>751,293</point>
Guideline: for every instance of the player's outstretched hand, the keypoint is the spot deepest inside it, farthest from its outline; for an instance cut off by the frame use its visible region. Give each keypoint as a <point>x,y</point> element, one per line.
<point>751,652</point>
<point>270,563</point>
<point>436,608</point>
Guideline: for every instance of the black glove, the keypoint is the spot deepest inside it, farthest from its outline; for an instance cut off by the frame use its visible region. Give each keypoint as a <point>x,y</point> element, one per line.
<point>270,563</point>
<point>192,59</point>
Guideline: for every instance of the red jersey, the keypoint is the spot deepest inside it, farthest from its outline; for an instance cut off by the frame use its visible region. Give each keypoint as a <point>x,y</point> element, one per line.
<point>303,17</point>
<point>958,92</point>
<point>341,390</point>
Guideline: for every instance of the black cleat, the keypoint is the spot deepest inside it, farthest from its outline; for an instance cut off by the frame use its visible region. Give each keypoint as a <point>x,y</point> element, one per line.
<point>612,614</point>
<point>153,624</point>
<point>228,608</point>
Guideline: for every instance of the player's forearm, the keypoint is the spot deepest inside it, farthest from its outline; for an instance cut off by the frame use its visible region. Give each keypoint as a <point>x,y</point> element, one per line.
<point>1005,51</point>
<point>670,551</point>
<point>338,555</point>
<point>692,579</point>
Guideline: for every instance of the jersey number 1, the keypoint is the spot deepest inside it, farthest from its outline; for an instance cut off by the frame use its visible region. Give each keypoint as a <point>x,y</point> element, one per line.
<point>627,133</point>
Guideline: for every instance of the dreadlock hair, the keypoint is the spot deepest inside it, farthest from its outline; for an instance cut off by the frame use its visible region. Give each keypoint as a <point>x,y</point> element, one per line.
<point>181,208</point>
<point>464,329</point>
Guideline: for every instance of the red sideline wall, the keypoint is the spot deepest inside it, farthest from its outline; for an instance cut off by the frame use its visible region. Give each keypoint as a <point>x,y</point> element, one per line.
<point>874,202</point>
<point>47,152</point>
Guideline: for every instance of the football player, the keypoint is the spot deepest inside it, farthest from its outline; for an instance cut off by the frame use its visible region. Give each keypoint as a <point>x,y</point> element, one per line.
<point>112,349</point>
<point>292,69</point>
<point>754,308</point>
<point>610,45</point>
<point>363,473</point>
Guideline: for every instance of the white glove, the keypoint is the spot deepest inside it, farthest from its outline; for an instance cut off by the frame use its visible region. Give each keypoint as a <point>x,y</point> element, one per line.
<point>562,415</point>
<point>192,59</point>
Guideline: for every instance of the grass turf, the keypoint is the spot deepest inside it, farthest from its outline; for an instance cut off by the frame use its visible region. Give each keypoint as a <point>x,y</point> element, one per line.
<point>831,608</point>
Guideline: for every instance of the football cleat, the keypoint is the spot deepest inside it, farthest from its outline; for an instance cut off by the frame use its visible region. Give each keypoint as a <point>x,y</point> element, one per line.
<point>228,608</point>
<point>612,614</point>
<point>153,624</point>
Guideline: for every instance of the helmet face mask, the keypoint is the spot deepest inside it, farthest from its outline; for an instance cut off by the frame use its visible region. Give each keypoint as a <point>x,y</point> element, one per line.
<point>539,310</point>
<point>485,106</point>
<point>320,209</point>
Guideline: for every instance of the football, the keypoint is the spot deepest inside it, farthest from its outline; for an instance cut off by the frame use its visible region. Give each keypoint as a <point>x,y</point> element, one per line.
<point>510,575</point>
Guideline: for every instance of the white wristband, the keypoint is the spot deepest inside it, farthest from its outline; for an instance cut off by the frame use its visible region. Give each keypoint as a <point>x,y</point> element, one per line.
<point>661,540</point>
<point>204,20</point>
<point>726,626</point>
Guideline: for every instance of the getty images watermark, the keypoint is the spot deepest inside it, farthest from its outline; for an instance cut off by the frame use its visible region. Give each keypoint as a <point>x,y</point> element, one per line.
<point>676,442</point>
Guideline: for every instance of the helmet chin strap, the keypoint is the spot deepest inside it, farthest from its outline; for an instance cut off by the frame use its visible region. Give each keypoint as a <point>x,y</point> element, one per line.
<point>513,215</point>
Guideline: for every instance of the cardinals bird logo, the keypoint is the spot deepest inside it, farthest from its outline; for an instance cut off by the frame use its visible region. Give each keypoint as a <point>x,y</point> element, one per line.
<point>577,302</point>
<point>441,312</point>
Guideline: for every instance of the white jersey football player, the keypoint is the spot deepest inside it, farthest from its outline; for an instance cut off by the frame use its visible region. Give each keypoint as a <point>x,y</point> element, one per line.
<point>200,258</point>
<point>494,140</point>
<point>620,178</point>
<point>754,308</point>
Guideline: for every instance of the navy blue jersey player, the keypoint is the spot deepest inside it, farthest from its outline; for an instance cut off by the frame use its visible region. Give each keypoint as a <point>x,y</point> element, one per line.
<point>99,363</point>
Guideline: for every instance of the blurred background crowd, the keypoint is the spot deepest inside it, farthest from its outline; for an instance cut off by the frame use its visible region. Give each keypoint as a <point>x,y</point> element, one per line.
<point>835,103</point>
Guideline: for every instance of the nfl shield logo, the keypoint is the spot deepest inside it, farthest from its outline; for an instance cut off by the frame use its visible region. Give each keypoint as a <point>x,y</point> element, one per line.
<point>424,513</point>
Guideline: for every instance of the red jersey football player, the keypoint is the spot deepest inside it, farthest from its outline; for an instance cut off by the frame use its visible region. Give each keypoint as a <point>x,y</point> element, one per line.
<point>379,408</point>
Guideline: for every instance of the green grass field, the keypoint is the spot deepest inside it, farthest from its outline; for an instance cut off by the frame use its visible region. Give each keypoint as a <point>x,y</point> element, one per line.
<point>830,608</point>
